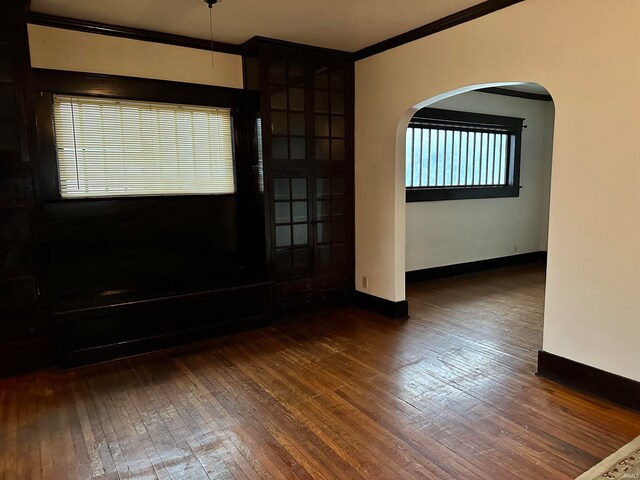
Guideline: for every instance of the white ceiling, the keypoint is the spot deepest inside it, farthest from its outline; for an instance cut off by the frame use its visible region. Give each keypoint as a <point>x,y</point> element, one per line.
<point>342,24</point>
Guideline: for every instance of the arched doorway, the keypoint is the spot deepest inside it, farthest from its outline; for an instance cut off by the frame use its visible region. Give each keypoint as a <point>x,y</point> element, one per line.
<point>492,220</point>
<point>464,213</point>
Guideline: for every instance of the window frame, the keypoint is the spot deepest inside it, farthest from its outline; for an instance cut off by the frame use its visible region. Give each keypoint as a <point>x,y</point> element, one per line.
<point>244,106</point>
<point>467,121</point>
<point>85,182</point>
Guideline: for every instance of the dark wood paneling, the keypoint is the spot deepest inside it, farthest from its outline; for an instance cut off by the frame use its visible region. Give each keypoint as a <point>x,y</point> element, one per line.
<point>101,333</point>
<point>296,287</point>
<point>296,305</point>
<point>449,21</point>
<point>382,306</point>
<point>129,32</point>
<point>24,332</point>
<point>433,273</point>
<point>27,354</point>
<point>146,246</point>
<point>103,250</point>
<point>622,390</point>
<point>135,273</point>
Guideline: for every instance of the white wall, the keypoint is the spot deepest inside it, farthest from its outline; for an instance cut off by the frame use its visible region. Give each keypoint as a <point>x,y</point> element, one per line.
<point>60,49</point>
<point>583,52</point>
<point>459,231</point>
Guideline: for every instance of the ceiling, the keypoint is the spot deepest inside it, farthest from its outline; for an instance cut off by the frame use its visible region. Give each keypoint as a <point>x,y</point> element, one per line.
<point>341,24</point>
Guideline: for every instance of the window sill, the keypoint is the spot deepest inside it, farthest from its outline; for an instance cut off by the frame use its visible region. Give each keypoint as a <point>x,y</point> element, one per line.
<point>460,193</point>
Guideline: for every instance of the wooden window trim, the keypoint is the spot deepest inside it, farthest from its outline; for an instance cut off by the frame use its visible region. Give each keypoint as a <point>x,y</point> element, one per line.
<point>511,124</point>
<point>244,106</point>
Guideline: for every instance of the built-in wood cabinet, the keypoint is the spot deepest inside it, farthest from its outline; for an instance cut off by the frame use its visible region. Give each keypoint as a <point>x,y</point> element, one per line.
<point>24,336</point>
<point>87,280</point>
<point>307,134</point>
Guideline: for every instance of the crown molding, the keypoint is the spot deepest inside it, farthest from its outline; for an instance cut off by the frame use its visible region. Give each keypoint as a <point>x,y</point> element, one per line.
<point>129,32</point>
<point>463,16</point>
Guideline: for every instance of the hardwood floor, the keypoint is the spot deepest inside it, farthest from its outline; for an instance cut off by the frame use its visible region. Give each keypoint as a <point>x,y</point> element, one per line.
<point>448,394</point>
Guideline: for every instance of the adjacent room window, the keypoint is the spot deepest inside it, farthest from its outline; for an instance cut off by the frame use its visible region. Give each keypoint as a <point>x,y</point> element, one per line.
<point>456,155</point>
<point>116,148</point>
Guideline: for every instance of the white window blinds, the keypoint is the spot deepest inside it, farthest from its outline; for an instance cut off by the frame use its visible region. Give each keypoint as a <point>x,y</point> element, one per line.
<point>115,148</point>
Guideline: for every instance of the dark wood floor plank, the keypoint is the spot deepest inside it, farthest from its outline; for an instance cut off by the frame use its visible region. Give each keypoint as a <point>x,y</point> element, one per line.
<point>449,394</point>
<point>237,395</point>
<point>343,444</point>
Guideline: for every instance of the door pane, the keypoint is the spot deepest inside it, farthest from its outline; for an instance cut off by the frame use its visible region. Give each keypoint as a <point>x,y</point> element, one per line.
<point>298,148</point>
<point>279,123</point>
<point>296,99</point>
<point>283,236</point>
<point>299,211</point>
<point>282,212</point>
<point>281,189</point>
<point>300,235</point>
<point>299,188</point>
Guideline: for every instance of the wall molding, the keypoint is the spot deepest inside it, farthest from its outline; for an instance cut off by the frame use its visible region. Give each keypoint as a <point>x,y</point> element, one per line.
<point>463,16</point>
<point>130,33</point>
<point>516,93</point>
<point>473,267</point>
<point>604,384</point>
<point>382,306</point>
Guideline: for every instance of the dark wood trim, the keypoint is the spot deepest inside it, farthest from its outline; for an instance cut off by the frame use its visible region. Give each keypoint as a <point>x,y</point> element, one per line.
<point>463,16</point>
<point>97,334</point>
<point>171,39</point>
<point>129,32</point>
<point>382,306</point>
<point>469,121</point>
<point>26,355</point>
<point>133,88</point>
<point>254,43</point>
<point>466,15</point>
<point>517,93</point>
<point>48,82</point>
<point>433,194</point>
<point>466,119</point>
<point>473,267</point>
<point>607,385</point>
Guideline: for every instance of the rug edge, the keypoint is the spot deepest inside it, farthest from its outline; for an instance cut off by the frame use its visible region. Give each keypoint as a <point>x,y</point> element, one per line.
<point>603,465</point>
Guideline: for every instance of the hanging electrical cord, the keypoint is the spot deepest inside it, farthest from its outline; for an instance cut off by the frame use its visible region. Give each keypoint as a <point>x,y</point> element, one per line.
<point>210,3</point>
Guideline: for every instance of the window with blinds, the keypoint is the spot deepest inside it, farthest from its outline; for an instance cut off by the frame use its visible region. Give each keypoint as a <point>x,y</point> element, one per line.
<point>454,158</point>
<point>452,155</point>
<point>116,148</point>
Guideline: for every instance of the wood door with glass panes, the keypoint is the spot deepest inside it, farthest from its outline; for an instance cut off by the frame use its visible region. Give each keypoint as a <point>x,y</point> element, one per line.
<point>308,146</point>
<point>332,228</point>
<point>288,116</point>
<point>329,117</point>
<point>292,228</point>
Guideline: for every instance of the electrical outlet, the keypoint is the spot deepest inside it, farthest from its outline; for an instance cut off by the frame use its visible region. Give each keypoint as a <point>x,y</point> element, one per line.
<point>365,282</point>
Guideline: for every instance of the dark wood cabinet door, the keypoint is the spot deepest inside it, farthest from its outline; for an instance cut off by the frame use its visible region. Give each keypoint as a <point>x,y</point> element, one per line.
<point>307,133</point>
<point>292,227</point>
